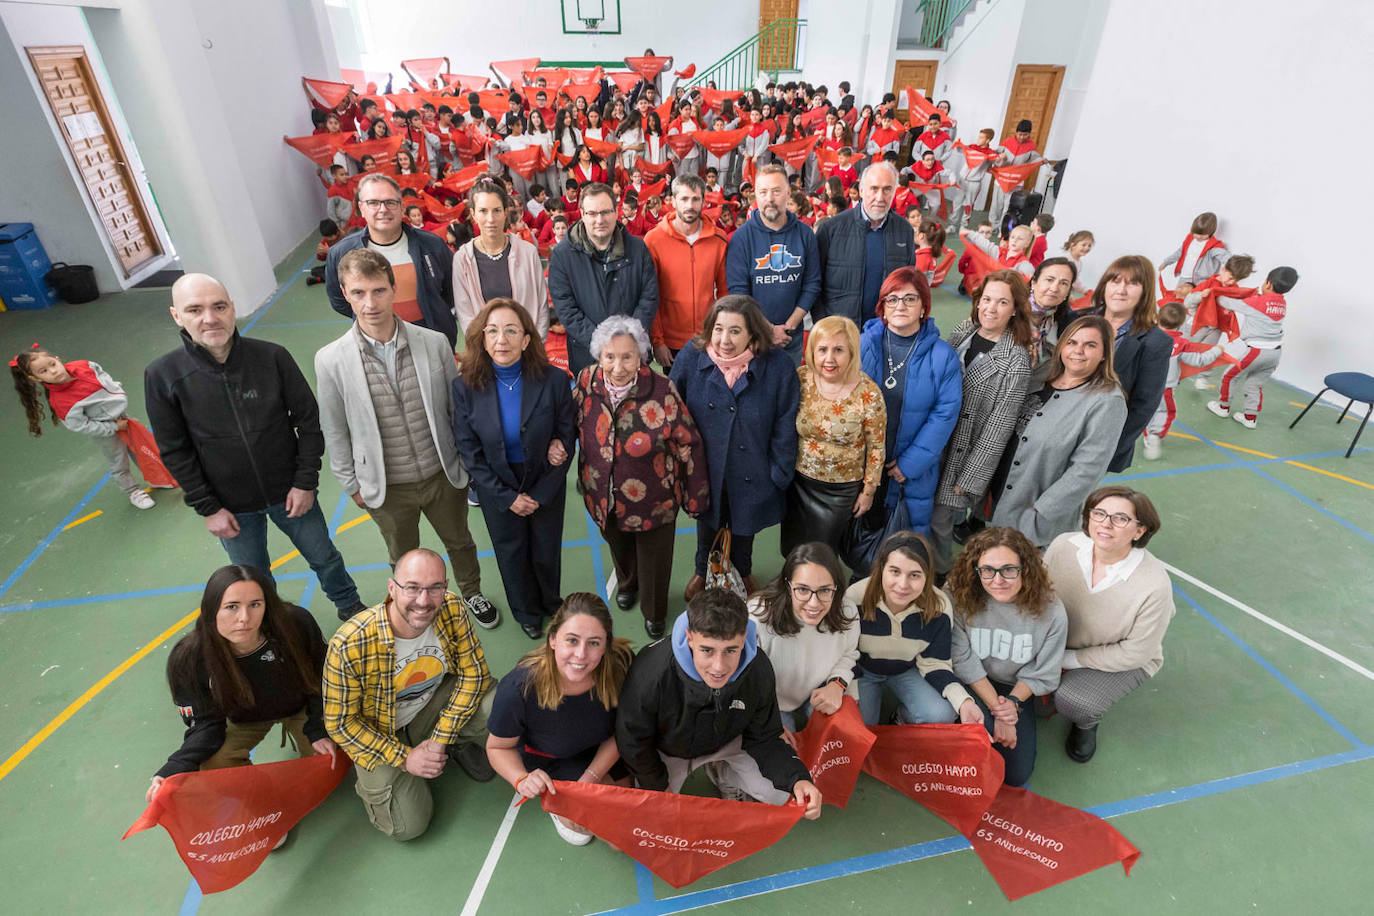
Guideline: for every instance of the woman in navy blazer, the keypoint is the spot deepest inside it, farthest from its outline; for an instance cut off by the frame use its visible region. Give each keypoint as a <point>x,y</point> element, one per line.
<point>743,394</point>
<point>515,426</point>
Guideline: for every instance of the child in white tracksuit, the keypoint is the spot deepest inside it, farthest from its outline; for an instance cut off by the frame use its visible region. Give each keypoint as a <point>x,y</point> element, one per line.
<point>1018,149</point>
<point>84,398</point>
<point>1261,338</point>
<point>1185,352</point>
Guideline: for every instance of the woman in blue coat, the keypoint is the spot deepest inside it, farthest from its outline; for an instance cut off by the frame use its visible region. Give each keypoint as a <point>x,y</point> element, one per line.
<point>515,426</point>
<point>922,384</point>
<point>743,394</point>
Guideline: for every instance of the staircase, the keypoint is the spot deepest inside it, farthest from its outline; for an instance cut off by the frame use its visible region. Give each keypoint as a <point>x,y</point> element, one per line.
<point>773,51</point>
<point>939,18</point>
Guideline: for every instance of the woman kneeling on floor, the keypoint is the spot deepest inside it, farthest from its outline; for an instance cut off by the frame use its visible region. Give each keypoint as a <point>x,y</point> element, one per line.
<point>253,661</point>
<point>554,715</point>
<point>1119,601</point>
<point>1008,638</point>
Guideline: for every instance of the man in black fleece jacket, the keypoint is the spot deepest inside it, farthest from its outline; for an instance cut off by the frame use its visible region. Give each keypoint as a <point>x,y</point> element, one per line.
<point>706,695</point>
<point>239,428</point>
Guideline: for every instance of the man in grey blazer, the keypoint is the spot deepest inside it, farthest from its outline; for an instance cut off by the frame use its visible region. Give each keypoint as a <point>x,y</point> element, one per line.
<point>387,416</point>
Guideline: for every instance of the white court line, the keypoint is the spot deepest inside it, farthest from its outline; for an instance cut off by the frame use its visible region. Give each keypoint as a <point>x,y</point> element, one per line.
<point>1270,621</point>
<point>610,586</point>
<point>479,887</point>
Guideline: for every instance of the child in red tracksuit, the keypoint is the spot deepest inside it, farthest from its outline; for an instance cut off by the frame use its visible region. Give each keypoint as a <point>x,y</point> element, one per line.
<point>329,234</point>
<point>1257,349</point>
<point>1210,323</point>
<point>966,259</point>
<point>1185,352</point>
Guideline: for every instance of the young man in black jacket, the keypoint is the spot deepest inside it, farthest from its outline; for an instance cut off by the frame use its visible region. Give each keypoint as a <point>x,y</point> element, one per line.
<point>239,428</point>
<point>706,696</point>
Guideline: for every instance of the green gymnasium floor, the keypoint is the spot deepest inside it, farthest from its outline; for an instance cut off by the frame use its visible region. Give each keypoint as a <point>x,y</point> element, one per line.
<point>1241,771</point>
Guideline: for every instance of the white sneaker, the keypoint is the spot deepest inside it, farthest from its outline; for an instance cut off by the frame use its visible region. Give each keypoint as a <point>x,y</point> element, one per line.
<point>1245,421</point>
<point>1216,408</point>
<point>1200,382</point>
<point>141,500</point>
<point>1153,450</point>
<point>574,835</point>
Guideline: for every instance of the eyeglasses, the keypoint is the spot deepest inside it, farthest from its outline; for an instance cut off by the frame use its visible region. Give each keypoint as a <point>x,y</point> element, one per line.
<point>1118,519</point>
<point>510,331</point>
<point>598,214</point>
<point>805,593</point>
<point>413,591</point>
<point>908,302</point>
<point>1008,573</point>
<point>393,204</point>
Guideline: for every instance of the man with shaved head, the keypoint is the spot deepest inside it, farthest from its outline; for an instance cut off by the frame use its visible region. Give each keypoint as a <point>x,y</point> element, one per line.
<point>238,426</point>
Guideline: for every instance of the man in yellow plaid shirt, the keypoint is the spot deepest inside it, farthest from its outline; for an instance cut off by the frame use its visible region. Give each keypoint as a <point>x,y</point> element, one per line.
<point>406,688</point>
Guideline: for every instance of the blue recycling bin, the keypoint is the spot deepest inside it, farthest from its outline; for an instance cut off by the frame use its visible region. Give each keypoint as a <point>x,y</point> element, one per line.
<point>23,265</point>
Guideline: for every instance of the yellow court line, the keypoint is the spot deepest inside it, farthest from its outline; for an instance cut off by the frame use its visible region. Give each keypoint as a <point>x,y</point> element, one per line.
<point>1248,451</point>
<point>1296,464</point>
<point>84,518</point>
<point>1308,467</point>
<point>60,719</point>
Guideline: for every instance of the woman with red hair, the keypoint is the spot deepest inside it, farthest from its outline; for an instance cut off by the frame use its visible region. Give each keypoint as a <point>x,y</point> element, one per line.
<point>922,387</point>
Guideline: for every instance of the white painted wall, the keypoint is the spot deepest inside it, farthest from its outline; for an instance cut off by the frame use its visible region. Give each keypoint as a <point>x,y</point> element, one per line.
<point>1062,33</point>
<point>473,34</point>
<point>976,73</point>
<point>1272,62</point>
<point>41,183</point>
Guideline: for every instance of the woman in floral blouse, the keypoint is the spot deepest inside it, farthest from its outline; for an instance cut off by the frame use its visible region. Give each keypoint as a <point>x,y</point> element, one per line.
<point>641,460</point>
<point>841,428</point>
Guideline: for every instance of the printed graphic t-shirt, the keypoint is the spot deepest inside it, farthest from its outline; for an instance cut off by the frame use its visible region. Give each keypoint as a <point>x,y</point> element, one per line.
<point>420,666</point>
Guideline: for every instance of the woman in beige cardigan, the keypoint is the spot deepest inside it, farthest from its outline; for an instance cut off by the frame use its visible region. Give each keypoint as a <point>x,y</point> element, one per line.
<point>495,264</point>
<point>1119,601</point>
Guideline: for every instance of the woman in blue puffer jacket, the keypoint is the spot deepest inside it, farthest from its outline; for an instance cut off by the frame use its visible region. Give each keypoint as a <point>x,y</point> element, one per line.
<point>922,385</point>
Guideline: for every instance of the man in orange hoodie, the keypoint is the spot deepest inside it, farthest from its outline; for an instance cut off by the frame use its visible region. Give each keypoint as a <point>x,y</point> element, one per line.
<point>689,254</point>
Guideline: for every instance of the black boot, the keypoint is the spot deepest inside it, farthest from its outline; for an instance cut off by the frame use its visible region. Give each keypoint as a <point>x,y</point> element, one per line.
<point>1081,743</point>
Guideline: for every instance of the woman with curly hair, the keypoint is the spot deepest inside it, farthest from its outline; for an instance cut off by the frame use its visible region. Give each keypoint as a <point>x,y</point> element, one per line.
<point>1009,631</point>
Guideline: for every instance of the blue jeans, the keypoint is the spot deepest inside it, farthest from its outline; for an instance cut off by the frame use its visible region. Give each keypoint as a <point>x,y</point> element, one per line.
<point>919,703</point>
<point>310,535</point>
<point>794,720</point>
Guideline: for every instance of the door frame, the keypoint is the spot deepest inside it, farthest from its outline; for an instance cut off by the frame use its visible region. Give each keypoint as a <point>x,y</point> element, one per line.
<point>897,90</point>
<point>1042,128</point>
<point>36,55</point>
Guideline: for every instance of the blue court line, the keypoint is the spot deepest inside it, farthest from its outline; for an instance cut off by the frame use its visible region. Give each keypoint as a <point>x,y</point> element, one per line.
<point>1236,463</point>
<point>257,316</point>
<point>190,904</point>
<point>903,855</point>
<point>52,535</point>
<point>1282,678</point>
<point>1253,467</point>
<point>598,565</point>
<point>644,883</point>
<point>335,520</point>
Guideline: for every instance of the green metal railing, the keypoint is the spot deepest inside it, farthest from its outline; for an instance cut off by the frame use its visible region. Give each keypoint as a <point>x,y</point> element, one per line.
<point>772,51</point>
<point>938,18</point>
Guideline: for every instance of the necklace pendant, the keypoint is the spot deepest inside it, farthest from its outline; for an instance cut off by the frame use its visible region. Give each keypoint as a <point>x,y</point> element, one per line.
<point>890,382</point>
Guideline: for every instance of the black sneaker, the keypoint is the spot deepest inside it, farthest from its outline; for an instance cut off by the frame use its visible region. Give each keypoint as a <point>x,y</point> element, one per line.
<point>352,610</point>
<point>483,611</point>
<point>473,760</point>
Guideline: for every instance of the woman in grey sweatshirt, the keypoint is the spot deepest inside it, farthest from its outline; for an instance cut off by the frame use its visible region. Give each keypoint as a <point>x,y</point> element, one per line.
<point>1008,640</point>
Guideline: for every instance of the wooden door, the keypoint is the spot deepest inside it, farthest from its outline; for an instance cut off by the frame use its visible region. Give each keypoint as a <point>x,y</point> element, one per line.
<point>777,50</point>
<point>918,74</point>
<point>1034,95</point>
<point>76,103</point>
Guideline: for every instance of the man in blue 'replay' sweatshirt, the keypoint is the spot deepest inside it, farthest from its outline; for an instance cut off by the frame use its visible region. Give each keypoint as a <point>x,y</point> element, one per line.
<point>773,257</point>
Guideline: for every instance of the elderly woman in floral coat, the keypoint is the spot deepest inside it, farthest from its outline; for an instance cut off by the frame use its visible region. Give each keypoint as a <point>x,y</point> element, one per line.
<point>641,460</point>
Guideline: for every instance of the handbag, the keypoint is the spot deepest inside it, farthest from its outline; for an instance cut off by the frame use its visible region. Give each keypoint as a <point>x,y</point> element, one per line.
<point>719,572</point>
<point>859,547</point>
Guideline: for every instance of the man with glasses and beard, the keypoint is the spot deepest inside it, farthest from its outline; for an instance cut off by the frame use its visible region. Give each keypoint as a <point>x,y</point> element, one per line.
<point>421,261</point>
<point>598,271</point>
<point>406,689</point>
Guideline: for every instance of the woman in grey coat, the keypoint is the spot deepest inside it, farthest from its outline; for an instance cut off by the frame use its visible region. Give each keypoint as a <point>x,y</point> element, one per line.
<point>1065,437</point>
<point>992,344</point>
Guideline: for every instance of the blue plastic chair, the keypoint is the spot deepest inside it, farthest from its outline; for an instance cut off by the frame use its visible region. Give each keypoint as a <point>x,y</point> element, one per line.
<point>1355,386</point>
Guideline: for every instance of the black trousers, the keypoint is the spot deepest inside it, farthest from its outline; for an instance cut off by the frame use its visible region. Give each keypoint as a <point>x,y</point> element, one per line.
<point>644,564</point>
<point>741,545</point>
<point>529,554</point>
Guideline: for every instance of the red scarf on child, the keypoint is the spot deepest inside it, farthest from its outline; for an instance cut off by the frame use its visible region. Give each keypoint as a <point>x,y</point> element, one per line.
<point>67,395</point>
<point>1212,242</point>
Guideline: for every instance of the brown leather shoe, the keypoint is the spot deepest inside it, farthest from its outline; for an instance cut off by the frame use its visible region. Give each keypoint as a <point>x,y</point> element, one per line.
<point>694,587</point>
<point>751,585</point>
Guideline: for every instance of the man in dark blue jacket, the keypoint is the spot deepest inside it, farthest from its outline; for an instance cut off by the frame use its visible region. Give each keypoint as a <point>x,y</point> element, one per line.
<point>420,260</point>
<point>773,257</point>
<point>707,696</point>
<point>239,428</point>
<point>598,271</point>
<point>861,246</point>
